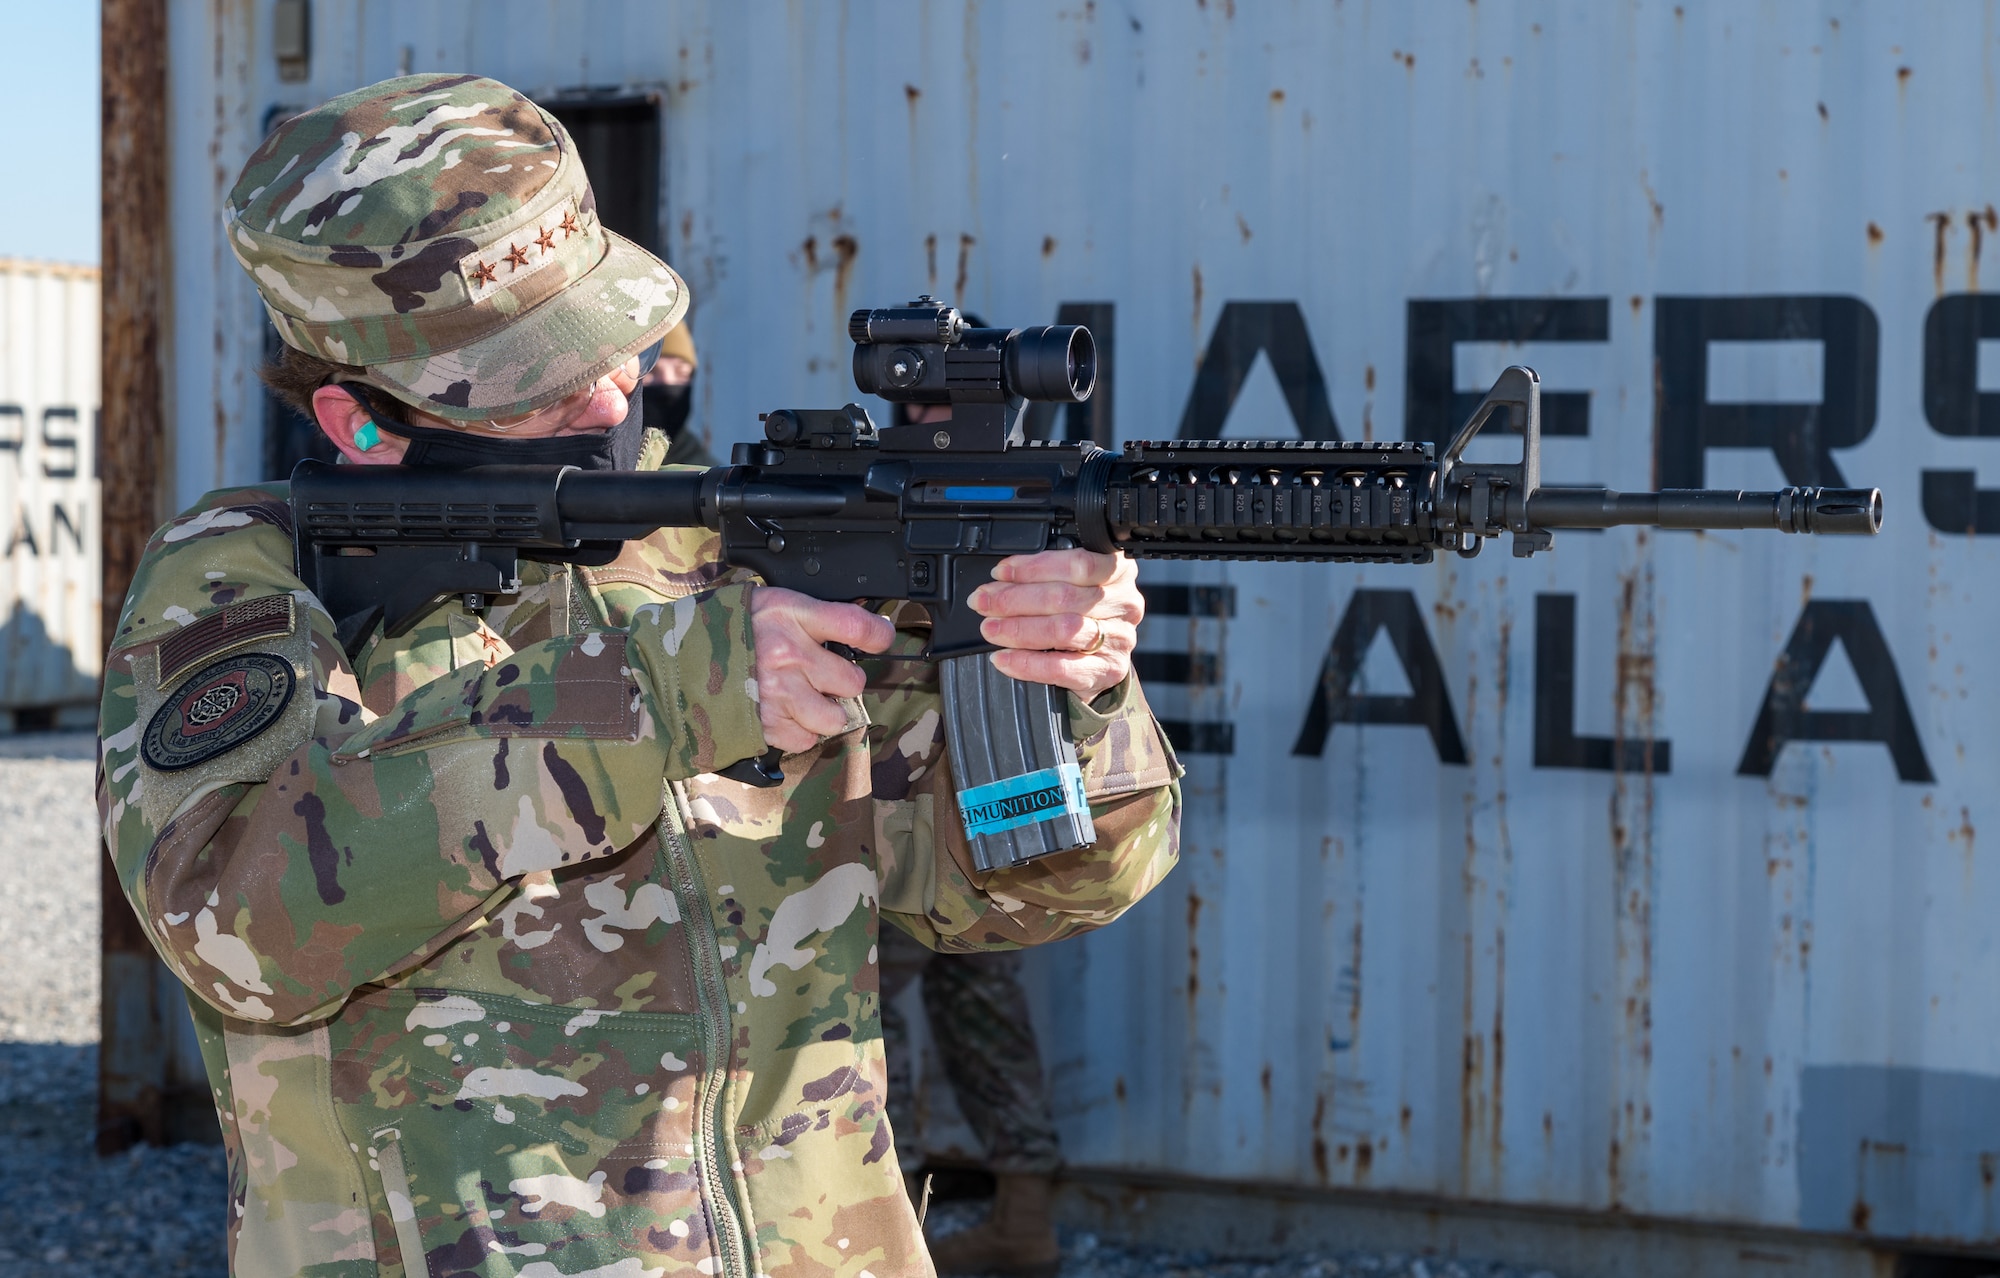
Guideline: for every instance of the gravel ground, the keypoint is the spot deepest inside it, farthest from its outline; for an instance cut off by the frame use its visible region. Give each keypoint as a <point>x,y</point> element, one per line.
<point>151,1211</point>
<point>160,1211</point>
<point>48,862</point>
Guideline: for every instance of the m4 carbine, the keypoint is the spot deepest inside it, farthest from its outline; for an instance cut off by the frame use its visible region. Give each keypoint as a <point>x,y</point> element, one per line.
<point>830,506</point>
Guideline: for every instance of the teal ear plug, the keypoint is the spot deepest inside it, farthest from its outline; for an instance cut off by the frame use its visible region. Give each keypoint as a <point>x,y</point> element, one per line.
<point>367,437</point>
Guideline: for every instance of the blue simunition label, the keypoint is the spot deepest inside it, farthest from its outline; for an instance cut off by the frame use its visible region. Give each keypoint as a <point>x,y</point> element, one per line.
<point>1023,800</point>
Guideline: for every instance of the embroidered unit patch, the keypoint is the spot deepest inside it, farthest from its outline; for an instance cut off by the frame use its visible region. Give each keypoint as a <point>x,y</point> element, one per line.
<point>218,709</point>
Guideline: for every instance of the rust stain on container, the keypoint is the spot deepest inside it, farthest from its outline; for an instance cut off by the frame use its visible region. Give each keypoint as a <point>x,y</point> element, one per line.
<point>1319,1138</point>
<point>1941,228</point>
<point>1631,820</point>
<point>1495,1129</point>
<point>1468,1089</point>
<point>1653,202</point>
<point>1966,837</point>
<point>965,243</point>
<point>1979,222</point>
<point>1972,259</point>
<point>844,250</point>
<point>1194,951</point>
<point>930,260</point>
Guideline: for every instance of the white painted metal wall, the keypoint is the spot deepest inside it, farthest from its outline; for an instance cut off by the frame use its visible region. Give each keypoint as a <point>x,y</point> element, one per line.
<point>1697,992</point>
<point>49,572</point>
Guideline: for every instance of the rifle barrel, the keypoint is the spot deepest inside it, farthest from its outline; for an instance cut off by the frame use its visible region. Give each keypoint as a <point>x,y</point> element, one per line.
<point>1793,510</point>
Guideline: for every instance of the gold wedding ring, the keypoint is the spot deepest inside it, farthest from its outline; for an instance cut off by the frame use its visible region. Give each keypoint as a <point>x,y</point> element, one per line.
<point>1096,644</point>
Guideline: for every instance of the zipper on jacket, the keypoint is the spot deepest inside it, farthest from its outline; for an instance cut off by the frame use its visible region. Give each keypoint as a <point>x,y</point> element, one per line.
<point>711,1136</point>
<point>712,1144</point>
<point>388,1158</point>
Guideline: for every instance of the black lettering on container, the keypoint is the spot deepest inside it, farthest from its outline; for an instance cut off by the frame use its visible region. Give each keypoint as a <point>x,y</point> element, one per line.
<point>1783,718</point>
<point>59,438</point>
<point>1802,437</point>
<point>1429,703</point>
<point>1954,406</point>
<point>1434,408</point>
<point>1243,331</point>
<point>1557,743</point>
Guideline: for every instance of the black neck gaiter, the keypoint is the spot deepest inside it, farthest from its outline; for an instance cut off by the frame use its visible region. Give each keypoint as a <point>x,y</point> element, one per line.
<point>614,449</point>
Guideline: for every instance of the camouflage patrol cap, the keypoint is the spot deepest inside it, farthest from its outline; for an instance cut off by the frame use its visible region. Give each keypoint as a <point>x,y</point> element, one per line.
<point>438,232</point>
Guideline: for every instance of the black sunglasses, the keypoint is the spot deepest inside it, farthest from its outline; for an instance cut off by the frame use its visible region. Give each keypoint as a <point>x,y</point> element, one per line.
<point>650,356</point>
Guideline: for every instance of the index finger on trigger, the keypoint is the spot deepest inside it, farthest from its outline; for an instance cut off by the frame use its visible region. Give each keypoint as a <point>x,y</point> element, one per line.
<point>1038,599</point>
<point>1072,567</point>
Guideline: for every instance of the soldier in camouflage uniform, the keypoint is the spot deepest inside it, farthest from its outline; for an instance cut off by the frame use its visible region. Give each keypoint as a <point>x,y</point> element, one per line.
<point>492,973</point>
<point>667,396</point>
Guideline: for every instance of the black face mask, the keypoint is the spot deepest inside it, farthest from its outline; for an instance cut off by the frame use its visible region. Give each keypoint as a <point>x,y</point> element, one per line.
<point>615,449</point>
<point>667,407</point>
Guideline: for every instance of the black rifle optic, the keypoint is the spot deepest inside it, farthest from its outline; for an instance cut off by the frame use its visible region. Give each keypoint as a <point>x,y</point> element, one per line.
<point>834,508</point>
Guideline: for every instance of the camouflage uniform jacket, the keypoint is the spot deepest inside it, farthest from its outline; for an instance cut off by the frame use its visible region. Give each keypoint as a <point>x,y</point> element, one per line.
<point>477,992</point>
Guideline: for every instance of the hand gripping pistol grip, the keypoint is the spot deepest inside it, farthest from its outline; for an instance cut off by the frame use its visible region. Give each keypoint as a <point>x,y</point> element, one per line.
<point>1019,787</point>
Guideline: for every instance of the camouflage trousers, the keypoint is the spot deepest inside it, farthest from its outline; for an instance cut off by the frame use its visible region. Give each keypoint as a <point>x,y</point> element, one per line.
<point>978,1018</point>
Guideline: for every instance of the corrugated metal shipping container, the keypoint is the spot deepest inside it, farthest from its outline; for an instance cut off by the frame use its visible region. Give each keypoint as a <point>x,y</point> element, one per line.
<point>1642,877</point>
<point>49,658</point>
